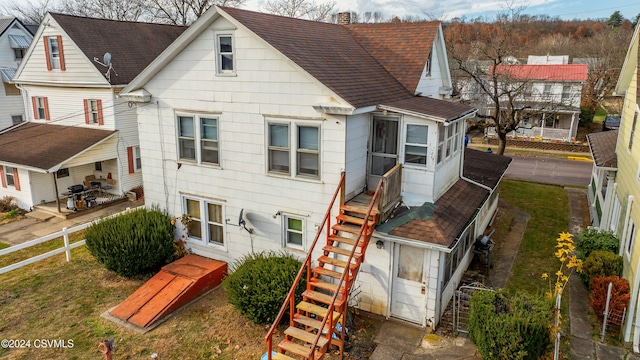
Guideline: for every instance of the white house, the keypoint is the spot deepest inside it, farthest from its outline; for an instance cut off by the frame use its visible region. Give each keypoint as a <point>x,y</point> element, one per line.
<point>250,117</point>
<point>76,128</point>
<point>15,38</point>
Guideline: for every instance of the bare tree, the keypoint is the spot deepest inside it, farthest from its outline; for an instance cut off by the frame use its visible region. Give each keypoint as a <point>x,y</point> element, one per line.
<point>184,12</point>
<point>28,12</point>
<point>130,10</point>
<point>504,97</point>
<point>303,9</point>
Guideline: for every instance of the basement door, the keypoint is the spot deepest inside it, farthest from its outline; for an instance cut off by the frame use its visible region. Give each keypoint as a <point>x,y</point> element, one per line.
<point>383,154</point>
<point>408,298</point>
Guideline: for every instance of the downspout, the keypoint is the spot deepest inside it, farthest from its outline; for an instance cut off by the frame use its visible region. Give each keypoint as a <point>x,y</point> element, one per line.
<point>25,102</point>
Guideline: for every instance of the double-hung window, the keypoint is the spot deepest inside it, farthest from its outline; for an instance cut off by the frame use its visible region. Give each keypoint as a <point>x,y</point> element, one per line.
<point>198,139</point>
<point>225,48</point>
<point>207,224</point>
<point>137,158</point>
<point>93,111</point>
<point>293,149</point>
<point>9,175</point>
<point>631,235</point>
<point>40,107</point>
<point>415,148</point>
<point>293,231</point>
<point>633,129</point>
<point>54,52</point>
<point>448,140</point>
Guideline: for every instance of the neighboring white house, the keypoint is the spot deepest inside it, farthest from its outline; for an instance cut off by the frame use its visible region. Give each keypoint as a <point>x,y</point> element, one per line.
<point>14,41</point>
<point>255,116</point>
<point>76,127</point>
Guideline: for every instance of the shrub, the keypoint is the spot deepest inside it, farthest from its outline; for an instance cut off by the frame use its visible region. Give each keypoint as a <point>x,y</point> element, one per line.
<point>7,203</point>
<point>619,294</point>
<point>509,327</point>
<point>259,283</point>
<point>593,239</point>
<point>133,244</point>
<point>586,116</point>
<point>601,263</point>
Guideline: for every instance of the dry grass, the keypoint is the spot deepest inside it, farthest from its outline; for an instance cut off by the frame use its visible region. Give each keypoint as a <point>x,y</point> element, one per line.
<point>53,299</point>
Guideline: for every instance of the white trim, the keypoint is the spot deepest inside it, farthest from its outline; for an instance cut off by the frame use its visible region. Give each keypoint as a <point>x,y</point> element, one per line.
<point>216,36</point>
<point>204,221</point>
<point>623,238</point>
<point>197,137</point>
<point>285,232</point>
<point>293,126</point>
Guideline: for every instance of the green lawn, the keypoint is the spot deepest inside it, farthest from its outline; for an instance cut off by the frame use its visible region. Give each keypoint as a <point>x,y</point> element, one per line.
<point>3,245</point>
<point>548,208</point>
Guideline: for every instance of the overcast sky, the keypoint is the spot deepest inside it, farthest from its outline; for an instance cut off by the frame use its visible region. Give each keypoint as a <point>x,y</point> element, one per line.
<point>565,9</point>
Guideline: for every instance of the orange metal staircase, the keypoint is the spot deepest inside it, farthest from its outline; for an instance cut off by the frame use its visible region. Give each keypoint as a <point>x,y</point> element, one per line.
<point>329,281</point>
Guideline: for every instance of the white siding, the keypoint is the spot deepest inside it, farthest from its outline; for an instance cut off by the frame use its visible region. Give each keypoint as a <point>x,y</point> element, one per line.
<point>103,151</point>
<point>79,69</point>
<point>373,280</point>
<point>127,125</point>
<point>9,106</point>
<point>266,84</point>
<point>42,187</point>
<point>417,180</point>
<point>448,173</point>
<point>358,128</point>
<point>7,55</point>
<point>23,197</point>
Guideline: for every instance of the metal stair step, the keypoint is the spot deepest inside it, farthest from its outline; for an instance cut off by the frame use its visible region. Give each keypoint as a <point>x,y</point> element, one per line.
<point>300,350</point>
<point>316,310</point>
<point>339,263</point>
<point>323,298</point>
<point>321,284</point>
<point>342,251</point>
<point>353,220</point>
<point>306,336</point>
<point>344,240</point>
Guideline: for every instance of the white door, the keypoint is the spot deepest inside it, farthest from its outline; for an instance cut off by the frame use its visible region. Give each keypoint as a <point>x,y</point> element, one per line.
<point>408,299</point>
<point>383,154</point>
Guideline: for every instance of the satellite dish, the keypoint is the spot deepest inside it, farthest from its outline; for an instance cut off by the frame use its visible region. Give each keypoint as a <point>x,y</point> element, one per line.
<point>106,62</point>
<point>242,223</point>
<point>107,59</point>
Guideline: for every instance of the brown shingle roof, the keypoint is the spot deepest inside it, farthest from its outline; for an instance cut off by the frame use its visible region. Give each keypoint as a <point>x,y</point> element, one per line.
<point>133,45</point>
<point>455,208</point>
<point>43,146</point>
<point>329,53</point>
<point>603,148</point>
<point>453,211</point>
<point>485,168</point>
<point>402,48</point>
<point>446,110</point>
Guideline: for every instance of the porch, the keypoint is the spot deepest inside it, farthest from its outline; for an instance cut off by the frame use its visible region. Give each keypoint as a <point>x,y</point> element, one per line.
<point>387,200</point>
<point>102,201</point>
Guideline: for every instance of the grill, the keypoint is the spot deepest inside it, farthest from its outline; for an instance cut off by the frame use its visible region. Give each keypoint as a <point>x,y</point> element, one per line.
<point>75,188</point>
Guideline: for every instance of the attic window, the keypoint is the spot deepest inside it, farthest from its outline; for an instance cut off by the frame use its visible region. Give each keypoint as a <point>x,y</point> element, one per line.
<point>427,67</point>
<point>54,51</point>
<point>224,54</point>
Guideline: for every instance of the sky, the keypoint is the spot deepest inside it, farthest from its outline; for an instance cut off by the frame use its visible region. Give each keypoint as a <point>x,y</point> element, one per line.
<point>488,9</point>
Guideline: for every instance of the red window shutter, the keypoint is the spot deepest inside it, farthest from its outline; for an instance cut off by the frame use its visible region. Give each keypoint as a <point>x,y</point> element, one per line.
<point>130,158</point>
<point>100,118</point>
<point>47,53</point>
<point>35,107</point>
<point>4,181</point>
<point>62,66</point>
<point>46,108</point>
<point>16,180</point>
<point>86,111</point>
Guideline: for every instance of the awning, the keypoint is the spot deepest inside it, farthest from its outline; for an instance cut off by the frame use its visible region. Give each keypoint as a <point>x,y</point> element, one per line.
<point>19,42</point>
<point>7,74</point>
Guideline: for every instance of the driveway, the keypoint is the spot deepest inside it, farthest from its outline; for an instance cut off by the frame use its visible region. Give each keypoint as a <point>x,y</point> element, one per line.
<point>550,170</point>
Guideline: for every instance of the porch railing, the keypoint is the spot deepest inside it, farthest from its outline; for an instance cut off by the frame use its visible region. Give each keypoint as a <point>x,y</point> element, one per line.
<point>390,192</point>
<point>64,233</point>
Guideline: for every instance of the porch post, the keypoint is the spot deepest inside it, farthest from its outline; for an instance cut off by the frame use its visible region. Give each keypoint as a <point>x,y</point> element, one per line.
<point>544,115</point>
<point>573,120</point>
<point>55,187</point>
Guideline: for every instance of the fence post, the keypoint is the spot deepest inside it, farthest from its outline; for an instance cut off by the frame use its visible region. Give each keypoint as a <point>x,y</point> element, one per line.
<point>66,243</point>
<point>606,313</point>
<point>556,350</point>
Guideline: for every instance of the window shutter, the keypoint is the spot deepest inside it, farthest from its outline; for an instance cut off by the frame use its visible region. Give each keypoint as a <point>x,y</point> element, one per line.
<point>35,107</point>
<point>16,181</point>
<point>47,53</point>
<point>46,108</point>
<point>100,118</point>
<point>86,111</point>
<point>62,66</point>
<point>4,180</point>
<point>130,158</point>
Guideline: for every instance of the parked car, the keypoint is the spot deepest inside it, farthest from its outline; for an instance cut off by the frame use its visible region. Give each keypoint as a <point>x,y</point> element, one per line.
<point>611,122</point>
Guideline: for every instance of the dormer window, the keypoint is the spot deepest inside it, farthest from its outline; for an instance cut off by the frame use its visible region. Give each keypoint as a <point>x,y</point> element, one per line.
<point>53,52</point>
<point>224,49</point>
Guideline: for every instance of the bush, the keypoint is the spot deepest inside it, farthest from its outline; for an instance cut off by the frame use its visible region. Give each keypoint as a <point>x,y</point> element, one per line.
<point>133,244</point>
<point>619,294</point>
<point>586,116</point>
<point>601,263</point>
<point>509,327</point>
<point>259,283</point>
<point>593,239</point>
<point>7,203</point>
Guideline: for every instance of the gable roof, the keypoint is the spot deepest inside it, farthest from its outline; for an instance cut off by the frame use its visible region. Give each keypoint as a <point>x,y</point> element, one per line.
<point>603,148</point>
<point>327,52</point>
<point>442,222</point>
<point>402,48</point>
<point>565,72</point>
<point>55,144</point>
<point>133,45</point>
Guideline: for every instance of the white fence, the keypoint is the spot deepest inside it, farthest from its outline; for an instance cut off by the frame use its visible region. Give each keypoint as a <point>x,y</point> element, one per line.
<point>64,233</point>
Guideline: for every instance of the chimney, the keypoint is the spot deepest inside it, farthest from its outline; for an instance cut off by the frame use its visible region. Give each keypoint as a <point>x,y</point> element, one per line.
<point>344,18</point>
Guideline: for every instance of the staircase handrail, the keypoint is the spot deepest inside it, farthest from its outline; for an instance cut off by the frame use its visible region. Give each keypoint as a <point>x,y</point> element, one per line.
<point>364,227</point>
<point>305,264</point>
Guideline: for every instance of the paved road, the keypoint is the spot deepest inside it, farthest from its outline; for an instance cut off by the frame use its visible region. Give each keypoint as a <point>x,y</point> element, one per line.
<point>550,170</point>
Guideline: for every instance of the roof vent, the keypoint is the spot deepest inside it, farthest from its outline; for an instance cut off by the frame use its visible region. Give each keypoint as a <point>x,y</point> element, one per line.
<point>344,18</point>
